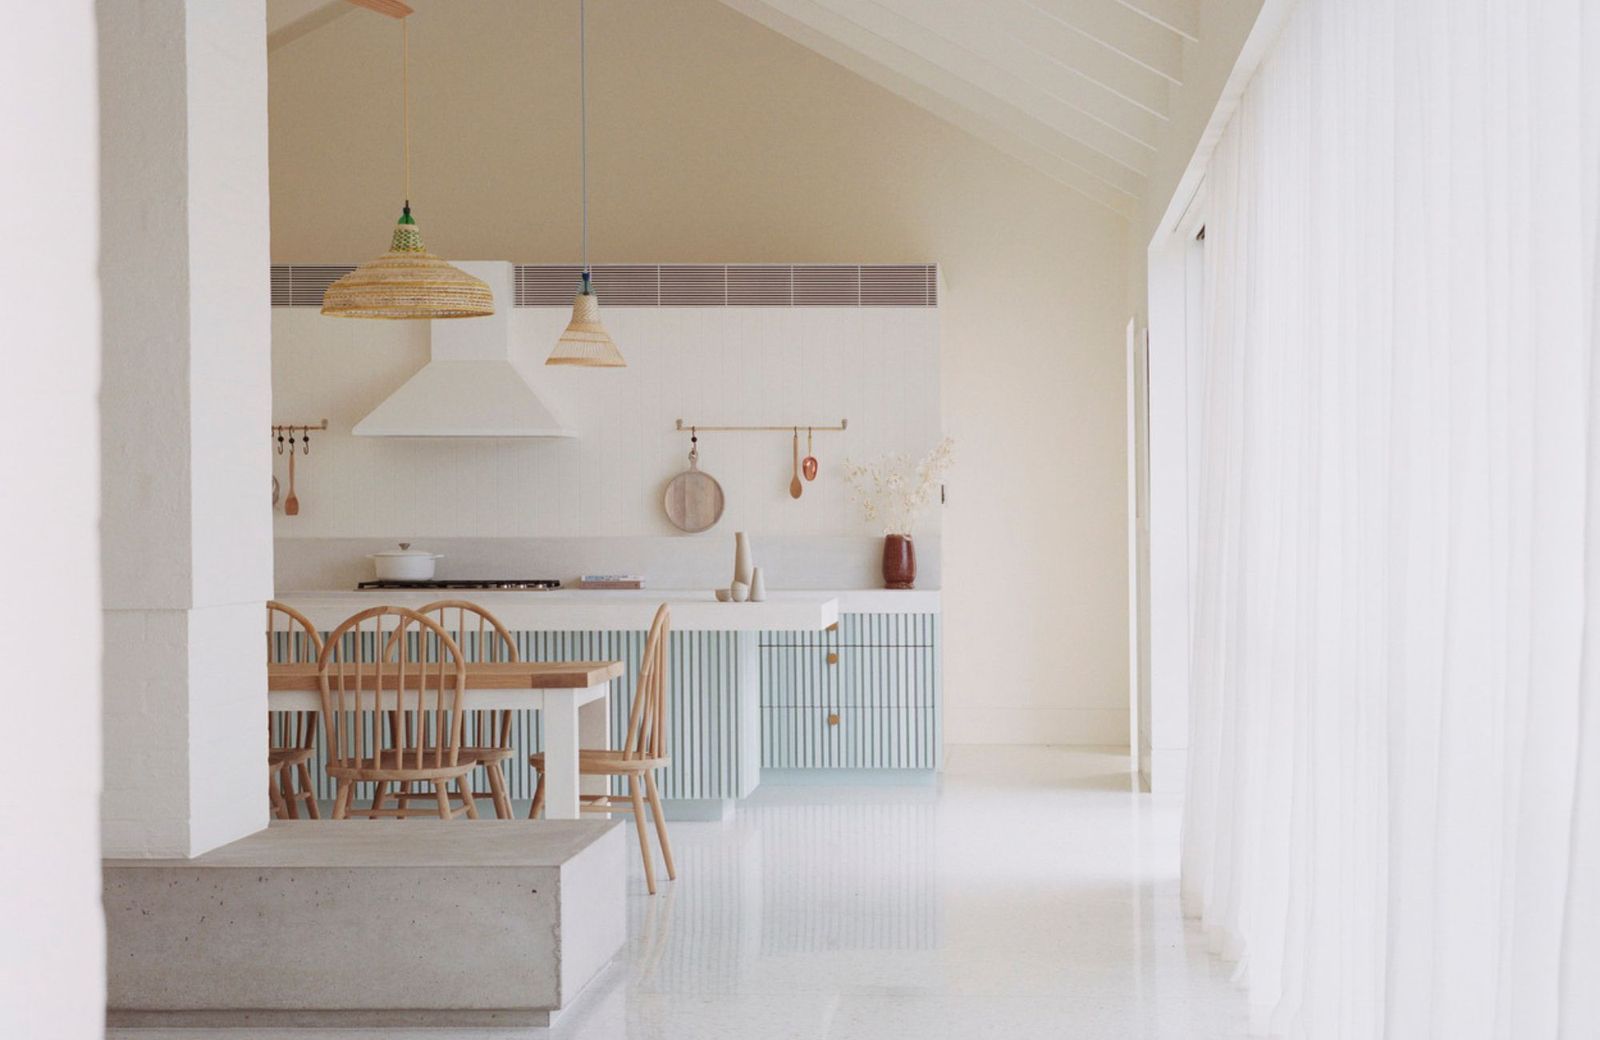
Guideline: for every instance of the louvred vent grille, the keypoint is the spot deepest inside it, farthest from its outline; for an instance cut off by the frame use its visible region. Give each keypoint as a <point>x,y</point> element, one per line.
<point>831,286</point>
<point>694,285</point>
<point>627,285</point>
<point>766,285</point>
<point>678,285</point>
<point>546,285</point>
<point>302,285</point>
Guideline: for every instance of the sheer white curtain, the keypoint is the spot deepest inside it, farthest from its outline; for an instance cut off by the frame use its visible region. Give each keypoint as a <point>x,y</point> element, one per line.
<point>1394,799</point>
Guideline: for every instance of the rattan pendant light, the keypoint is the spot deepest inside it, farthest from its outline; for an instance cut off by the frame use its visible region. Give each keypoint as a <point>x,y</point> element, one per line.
<point>407,281</point>
<point>585,341</point>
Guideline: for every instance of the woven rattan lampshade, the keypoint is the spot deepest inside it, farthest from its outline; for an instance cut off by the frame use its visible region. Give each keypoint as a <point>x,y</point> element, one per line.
<point>585,341</point>
<point>407,282</point>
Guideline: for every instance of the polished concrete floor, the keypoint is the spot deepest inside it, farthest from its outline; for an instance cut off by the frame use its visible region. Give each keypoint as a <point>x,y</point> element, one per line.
<point>1029,894</point>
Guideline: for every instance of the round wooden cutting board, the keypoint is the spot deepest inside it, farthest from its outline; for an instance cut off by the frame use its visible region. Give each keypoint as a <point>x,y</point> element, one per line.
<point>694,499</point>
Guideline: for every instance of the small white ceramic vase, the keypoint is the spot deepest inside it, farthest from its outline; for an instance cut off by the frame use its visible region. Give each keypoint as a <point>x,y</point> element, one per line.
<point>740,592</point>
<point>741,559</point>
<point>758,587</point>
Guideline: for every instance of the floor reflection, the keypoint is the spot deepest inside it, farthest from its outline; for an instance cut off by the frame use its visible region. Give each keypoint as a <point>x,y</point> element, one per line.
<point>1030,895</point>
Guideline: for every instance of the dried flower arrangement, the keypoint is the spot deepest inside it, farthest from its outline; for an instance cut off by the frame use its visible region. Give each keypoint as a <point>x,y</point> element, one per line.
<point>893,492</point>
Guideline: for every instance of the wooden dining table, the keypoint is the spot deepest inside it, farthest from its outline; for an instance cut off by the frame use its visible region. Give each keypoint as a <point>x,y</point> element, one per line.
<point>572,695</point>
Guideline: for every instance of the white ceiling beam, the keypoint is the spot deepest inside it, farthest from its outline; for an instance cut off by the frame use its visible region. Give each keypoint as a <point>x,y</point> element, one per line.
<point>897,35</point>
<point>1120,29</point>
<point>1022,139</point>
<point>838,19</point>
<point>1180,16</point>
<point>1044,83</point>
<point>1082,56</point>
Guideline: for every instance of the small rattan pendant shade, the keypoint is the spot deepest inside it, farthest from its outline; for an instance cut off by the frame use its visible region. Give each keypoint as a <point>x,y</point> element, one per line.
<point>408,282</point>
<point>585,341</point>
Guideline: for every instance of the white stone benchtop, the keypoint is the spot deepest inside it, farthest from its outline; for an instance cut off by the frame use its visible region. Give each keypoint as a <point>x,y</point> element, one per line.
<point>590,610</point>
<point>398,843</point>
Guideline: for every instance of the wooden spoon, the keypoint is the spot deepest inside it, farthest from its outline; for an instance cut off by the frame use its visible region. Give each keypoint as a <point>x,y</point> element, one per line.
<point>291,505</point>
<point>808,465</point>
<point>794,481</point>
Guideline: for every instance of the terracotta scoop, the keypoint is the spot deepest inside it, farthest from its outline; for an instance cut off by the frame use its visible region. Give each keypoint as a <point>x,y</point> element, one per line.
<point>808,465</point>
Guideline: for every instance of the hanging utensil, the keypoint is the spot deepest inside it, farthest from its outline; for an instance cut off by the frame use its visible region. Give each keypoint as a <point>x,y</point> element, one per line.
<point>694,499</point>
<point>794,481</point>
<point>291,505</point>
<point>808,465</point>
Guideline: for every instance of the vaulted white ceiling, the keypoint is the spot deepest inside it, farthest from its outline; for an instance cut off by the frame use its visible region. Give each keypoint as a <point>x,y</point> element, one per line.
<point>1078,88</point>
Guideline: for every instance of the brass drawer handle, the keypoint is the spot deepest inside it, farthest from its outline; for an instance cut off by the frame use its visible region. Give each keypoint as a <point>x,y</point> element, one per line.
<point>833,720</point>
<point>833,658</point>
<point>834,627</point>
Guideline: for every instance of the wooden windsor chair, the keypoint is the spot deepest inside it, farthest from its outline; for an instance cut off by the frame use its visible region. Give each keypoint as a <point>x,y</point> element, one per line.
<point>481,637</point>
<point>643,752</point>
<point>393,683</point>
<point>291,735</point>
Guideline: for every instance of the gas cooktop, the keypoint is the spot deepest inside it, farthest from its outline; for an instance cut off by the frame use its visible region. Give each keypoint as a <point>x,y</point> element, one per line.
<point>506,584</point>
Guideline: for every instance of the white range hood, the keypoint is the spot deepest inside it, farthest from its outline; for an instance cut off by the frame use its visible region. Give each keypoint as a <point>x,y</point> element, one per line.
<point>470,387</point>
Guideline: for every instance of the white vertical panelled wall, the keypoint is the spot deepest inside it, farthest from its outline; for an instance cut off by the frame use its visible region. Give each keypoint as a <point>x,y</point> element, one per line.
<point>1394,795</point>
<point>52,937</point>
<point>185,405</point>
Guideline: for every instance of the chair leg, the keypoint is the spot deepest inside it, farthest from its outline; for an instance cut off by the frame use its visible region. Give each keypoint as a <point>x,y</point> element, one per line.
<point>464,785</point>
<point>661,824</point>
<point>538,798</point>
<point>441,791</point>
<point>341,801</point>
<point>402,798</point>
<point>309,790</point>
<point>497,790</point>
<point>286,786</point>
<point>644,833</point>
<point>379,793</point>
<point>279,810</point>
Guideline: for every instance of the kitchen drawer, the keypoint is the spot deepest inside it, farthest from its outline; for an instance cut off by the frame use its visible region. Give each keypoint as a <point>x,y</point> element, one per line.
<point>799,738</point>
<point>799,677</point>
<point>886,738</point>
<point>850,738</point>
<point>886,677</point>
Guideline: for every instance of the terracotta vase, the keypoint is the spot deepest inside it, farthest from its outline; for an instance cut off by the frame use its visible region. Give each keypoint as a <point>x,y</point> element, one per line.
<point>899,562</point>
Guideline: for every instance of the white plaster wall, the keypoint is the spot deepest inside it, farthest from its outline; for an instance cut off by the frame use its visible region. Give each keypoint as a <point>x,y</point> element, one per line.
<point>52,944</point>
<point>878,367</point>
<point>187,553</point>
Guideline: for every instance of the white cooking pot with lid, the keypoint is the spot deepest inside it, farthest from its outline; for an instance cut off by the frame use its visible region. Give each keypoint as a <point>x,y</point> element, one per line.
<point>404,563</point>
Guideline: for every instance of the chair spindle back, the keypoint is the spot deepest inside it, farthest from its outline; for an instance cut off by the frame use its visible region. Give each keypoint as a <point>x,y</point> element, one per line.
<point>384,665</point>
<point>647,719</point>
<point>481,637</point>
<point>291,639</point>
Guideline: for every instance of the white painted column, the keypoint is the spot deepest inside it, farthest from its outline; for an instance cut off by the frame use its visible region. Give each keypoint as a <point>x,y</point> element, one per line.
<point>187,540</point>
<point>52,939</point>
<point>1164,742</point>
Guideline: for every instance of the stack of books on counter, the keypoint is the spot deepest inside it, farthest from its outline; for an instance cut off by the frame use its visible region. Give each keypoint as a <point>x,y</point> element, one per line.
<point>611,581</point>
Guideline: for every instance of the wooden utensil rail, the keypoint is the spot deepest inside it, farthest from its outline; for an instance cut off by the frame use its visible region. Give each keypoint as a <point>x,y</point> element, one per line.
<point>694,428</point>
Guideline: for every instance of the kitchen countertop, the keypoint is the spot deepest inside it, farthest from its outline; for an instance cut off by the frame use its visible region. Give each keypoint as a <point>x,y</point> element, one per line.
<point>586,610</point>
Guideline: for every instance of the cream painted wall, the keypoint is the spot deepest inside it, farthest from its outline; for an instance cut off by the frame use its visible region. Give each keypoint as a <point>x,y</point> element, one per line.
<point>52,932</point>
<point>714,139</point>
